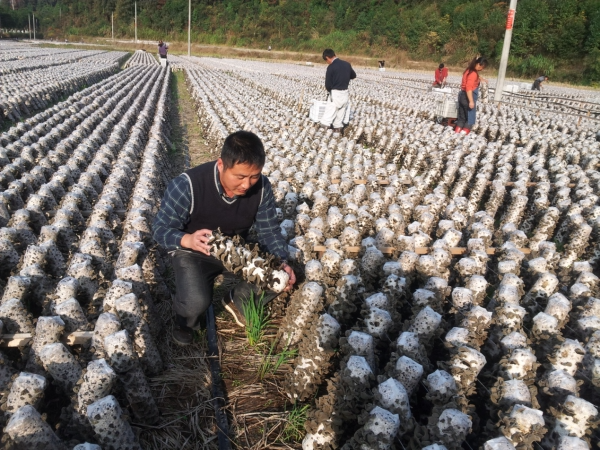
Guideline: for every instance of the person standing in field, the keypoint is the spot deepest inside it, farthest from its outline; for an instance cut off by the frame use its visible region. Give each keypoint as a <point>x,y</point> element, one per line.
<point>440,76</point>
<point>537,84</point>
<point>337,79</point>
<point>467,97</point>
<point>162,49</point>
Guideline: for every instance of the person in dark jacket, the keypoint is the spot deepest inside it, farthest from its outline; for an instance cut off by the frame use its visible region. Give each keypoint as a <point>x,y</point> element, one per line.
<point>537,84</point>
<point>230,194</point>
<point>337,79</point>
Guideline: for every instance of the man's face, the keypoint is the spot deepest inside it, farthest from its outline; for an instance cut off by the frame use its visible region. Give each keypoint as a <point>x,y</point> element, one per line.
<point>238,179</point>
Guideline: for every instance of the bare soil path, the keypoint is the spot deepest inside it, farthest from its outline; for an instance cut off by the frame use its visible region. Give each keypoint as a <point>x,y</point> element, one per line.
<point>186,133</point>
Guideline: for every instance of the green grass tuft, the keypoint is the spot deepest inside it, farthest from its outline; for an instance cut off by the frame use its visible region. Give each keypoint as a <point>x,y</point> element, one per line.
<point>257,319</point>
<point>294,428</point>
<point>272,362</point>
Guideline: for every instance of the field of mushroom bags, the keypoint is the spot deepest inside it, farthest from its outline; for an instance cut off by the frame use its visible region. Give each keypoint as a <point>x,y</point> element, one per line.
<point>79,184</point>
<point>34,78</point>
<point>448,295</point>
<point>141,58</point>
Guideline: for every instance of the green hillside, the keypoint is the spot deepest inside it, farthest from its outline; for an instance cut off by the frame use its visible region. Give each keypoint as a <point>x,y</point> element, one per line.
<point>558,37</point>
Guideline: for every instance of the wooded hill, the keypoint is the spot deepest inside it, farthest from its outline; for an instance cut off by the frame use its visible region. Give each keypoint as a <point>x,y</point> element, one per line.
<point>557,37</point>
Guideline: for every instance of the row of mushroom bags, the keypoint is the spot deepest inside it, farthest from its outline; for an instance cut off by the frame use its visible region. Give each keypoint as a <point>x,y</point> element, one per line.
<point>79,186</point>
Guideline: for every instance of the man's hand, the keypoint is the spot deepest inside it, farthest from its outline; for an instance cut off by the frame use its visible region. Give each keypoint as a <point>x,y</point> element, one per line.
<point>198,241</point>
<point>292,275</point>
<point>471,104</point>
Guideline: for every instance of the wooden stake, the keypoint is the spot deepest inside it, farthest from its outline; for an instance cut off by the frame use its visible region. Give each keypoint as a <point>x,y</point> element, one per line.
<point>455,251</point>
<point>23,339</point>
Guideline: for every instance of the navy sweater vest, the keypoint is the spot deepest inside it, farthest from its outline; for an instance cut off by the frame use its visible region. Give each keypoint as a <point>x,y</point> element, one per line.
<point>210,211</point>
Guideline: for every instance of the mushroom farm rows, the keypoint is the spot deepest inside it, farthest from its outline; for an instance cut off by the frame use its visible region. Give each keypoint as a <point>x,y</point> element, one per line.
<point>448,293</point>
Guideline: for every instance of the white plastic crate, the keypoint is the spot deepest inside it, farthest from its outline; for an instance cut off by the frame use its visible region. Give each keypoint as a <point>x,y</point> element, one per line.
<point>446,107</point>
<point>163,62</point>
<point>512,88</point>
<point>317,110</point>
<point>526,86</point>
<point>446,90</point>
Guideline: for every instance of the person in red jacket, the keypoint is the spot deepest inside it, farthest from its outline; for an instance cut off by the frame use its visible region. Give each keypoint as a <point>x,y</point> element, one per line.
<point>440,76</point>
<point>467,97</point>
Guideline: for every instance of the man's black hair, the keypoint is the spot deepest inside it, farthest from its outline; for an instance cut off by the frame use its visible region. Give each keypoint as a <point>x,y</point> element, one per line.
<point>328,53</point>
<point>441,66</point>
<point>242,147</point>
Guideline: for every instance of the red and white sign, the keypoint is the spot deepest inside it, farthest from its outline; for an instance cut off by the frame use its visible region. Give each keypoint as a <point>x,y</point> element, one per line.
<point>510,19</point>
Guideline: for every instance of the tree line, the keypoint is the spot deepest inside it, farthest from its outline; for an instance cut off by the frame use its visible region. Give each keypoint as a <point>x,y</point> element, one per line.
<point>560,38</point>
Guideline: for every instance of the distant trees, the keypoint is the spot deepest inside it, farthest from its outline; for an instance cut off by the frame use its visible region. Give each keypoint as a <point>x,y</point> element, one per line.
<point>549,34</point>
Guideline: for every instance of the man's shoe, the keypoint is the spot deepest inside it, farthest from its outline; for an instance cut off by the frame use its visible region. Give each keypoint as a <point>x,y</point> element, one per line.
<point>235,310</point>
<point>183,336</point>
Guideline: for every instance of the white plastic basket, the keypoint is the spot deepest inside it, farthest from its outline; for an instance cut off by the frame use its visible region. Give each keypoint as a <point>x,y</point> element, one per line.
<point>513,88</point>
<point>317,110</point>
<point>446,107</point>
<point>163,62</point>
<point>446,90</point>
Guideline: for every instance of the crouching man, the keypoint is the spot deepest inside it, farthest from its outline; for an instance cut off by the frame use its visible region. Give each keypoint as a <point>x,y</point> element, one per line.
<point>231,194</point>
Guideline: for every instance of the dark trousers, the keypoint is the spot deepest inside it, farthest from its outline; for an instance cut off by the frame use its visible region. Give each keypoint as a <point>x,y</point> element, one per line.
<point>536,86</point>
<point>463,110</point>
<point>466,115</point>
<point>195,275</point>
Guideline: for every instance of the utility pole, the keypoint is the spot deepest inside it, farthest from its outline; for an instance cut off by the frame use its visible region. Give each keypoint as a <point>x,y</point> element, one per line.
<point>33,25</point>
<point>112,24</point>
<point>510,20</point>
<point>135,22</point>
<point>29,22</point>
<point>190,28</point>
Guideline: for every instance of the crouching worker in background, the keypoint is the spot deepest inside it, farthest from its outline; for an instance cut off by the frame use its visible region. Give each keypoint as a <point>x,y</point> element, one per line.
<point>441,74</point>
<point>231,194</point>
<point>537,84</point>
